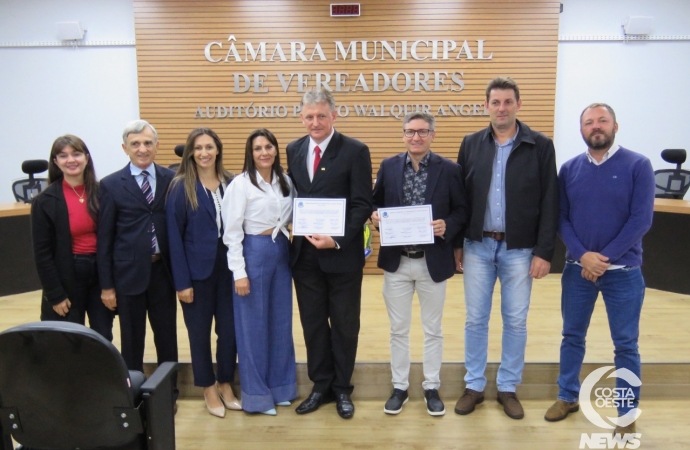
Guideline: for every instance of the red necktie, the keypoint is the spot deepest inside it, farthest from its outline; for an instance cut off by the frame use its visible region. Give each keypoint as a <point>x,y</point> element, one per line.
<point>317,159</point>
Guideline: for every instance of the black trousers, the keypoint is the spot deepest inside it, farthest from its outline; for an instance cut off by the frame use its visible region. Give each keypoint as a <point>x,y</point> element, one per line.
<point>85,300</point>
<point>212,300</point>
<point>159,301</point>
<point>329,307</point>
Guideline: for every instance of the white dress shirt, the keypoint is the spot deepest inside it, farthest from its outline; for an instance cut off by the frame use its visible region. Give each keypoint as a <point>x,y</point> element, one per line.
<point>136,173</point>
<point>311,155</point>
<point>247,209</point>
<point>604,158</point>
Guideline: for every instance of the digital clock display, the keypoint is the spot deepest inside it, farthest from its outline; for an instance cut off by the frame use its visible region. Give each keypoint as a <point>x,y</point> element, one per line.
<point>345,10</point>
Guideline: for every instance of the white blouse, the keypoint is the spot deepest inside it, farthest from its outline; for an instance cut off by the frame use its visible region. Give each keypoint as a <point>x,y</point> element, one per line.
<point>249,210</point>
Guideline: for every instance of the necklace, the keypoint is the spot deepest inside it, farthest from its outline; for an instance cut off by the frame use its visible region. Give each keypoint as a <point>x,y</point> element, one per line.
<point>81,197</point>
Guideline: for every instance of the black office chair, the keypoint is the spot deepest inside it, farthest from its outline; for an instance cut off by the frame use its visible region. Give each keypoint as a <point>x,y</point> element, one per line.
<point>672,183</point>
<point>179,149</point>
<point>63,386</point>
<point>25,190</point>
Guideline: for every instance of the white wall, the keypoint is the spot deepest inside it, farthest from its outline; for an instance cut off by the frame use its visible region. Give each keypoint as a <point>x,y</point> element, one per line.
<point>644,81</point>
<point>49,91</point>
<point>92,91</point>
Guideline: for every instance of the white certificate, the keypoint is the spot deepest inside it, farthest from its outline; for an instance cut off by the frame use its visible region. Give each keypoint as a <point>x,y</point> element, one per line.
<point>407,225</point>
<point>318,216</point>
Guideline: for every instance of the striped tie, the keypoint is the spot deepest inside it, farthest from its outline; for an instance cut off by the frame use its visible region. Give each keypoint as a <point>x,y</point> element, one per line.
<point>148,193</point>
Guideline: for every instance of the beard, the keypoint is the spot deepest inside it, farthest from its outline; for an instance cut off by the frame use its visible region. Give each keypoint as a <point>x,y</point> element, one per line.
<point>600,140</point>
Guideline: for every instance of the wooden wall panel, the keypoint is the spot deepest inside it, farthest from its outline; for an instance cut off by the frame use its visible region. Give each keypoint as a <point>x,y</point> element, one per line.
<point>175,78</point>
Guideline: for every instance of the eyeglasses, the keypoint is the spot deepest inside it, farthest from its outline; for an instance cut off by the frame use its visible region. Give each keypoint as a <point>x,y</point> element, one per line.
<point>421,133</point>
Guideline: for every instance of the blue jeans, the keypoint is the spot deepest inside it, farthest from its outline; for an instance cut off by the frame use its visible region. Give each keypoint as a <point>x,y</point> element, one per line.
<point>483,263</point>
<point>623,293</point>
<point>263,325</point>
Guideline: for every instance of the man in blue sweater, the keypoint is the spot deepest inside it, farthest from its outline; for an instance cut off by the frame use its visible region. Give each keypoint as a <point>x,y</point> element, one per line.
<point>607,204</point>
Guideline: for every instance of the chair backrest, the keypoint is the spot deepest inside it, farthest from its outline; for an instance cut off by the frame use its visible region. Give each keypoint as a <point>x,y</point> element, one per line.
<point>671,183</point>
<point>674,156</point>
<point>66,387</point>
<point>27,189</point>
<point>33,166</point>
<point>179,150</point>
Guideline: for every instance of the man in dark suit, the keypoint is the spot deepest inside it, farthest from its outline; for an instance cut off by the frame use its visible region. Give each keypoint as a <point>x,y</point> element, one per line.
<point>133,256</point>
<point>328,270</point>
<point>419,177</point>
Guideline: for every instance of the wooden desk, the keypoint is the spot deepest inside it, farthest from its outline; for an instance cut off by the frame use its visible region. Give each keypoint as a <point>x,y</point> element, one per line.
<point>14,209</point>
<point>666,247</point>
<point>668,205</point>
<point>666,258</point>
<point>17,268</point>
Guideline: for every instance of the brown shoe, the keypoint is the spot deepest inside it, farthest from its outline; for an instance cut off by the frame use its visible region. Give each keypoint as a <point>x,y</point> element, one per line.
<point>468,401</point>
<point>560,410</point>
<point>511,405</point>
<point>622,431</point>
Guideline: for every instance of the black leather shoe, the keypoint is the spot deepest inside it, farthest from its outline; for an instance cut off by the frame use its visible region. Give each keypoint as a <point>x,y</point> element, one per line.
<point>344,405</point>
<point>313,402</point>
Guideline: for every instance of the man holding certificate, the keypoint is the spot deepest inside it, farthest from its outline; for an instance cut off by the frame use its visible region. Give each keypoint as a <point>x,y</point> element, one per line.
<point>421,207</point>
<point>327,266</point>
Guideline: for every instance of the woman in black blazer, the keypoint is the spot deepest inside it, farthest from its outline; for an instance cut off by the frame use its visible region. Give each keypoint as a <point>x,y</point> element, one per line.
<point>63,227</point>
<point>199,265</point>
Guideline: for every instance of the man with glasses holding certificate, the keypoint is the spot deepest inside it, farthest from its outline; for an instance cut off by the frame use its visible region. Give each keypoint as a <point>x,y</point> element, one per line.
<point>412,259</point>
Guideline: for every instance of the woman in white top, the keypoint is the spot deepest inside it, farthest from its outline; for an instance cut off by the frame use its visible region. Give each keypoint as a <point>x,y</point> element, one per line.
<point>200,272</point>
<point>256,211</point>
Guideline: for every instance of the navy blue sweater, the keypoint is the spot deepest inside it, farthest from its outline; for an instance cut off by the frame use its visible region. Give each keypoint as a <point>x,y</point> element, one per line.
<point>606,208</point>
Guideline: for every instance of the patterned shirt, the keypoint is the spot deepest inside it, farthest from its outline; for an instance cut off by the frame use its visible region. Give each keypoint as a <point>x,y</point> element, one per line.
<point>414,187</point>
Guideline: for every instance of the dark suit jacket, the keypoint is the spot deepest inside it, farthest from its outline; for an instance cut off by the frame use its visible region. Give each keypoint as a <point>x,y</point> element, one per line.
<point>192,234</point>
<point>531,182</point>
<point>446,195</point>
<point>52,243</point>
<point>124,230</point>
<point>344,172</point>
